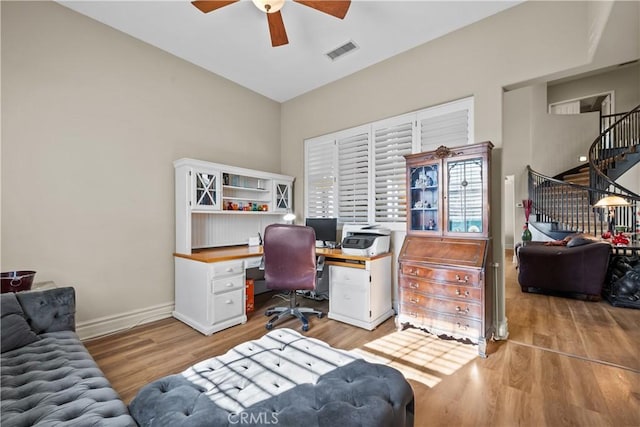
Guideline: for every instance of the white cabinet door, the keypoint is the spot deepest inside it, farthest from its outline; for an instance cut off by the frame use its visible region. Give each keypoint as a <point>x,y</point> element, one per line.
<point>282,196</point>
<point>206,191</point>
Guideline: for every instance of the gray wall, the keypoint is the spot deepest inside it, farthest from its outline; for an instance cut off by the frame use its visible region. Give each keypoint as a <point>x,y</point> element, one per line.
<point>92,120</point>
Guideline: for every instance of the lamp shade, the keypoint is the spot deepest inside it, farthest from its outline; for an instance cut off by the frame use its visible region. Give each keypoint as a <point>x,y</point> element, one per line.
<point>611,201</point>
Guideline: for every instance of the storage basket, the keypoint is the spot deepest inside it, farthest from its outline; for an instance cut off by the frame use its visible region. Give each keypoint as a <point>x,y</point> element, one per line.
<point>15,281</point>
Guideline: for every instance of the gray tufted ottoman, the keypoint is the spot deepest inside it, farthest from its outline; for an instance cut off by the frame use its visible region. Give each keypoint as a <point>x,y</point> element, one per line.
<point>282,379</point>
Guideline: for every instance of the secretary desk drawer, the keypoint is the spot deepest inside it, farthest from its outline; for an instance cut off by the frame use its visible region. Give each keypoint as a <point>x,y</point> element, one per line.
<point>440,323</point>
<point>443,290</point>
<point>462,277</point>
<point>446,306</point>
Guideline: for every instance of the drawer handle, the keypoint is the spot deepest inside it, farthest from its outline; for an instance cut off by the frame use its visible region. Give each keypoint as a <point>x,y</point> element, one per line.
<point>460,326</point>
<point>228,301</point>
<point>413,285</point>
<point>465,280</point>
<point>229,269</point>
<point>459,309</point>
<point>230,284</point>
<point>414,300</point>
<point>465,294</point>
<point>413,271</point>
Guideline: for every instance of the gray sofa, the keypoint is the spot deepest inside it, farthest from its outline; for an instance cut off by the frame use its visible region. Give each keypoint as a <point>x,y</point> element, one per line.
<point>47,376</point>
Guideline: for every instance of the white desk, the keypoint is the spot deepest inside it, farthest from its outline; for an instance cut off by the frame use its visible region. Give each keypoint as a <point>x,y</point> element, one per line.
<point>210,287</point>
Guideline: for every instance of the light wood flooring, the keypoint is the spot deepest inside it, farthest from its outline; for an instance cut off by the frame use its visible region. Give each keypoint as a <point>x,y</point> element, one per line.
<point>566,363</point>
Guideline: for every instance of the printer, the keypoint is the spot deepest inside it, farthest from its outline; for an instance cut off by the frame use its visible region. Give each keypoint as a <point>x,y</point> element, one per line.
<point>365,240</point>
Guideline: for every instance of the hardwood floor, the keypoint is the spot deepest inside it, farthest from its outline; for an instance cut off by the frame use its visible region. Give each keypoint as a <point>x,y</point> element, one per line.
<point>566,363</point>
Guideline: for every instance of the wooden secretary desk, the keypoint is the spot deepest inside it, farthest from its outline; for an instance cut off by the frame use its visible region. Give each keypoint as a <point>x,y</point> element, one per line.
<point>445,279</point>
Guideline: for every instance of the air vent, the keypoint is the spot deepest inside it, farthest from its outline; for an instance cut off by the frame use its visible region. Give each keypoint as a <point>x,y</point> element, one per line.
<point>350,46</point>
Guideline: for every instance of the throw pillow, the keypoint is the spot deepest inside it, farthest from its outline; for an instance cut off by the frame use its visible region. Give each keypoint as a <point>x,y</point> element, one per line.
<point>579,240</point>
<point>14,329</point>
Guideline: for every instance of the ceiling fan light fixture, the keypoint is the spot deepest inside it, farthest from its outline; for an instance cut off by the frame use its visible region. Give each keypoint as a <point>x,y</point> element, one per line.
<point>269,6</point>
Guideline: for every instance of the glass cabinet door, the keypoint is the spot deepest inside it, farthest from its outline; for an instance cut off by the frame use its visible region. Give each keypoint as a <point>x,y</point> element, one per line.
<point>283,196</point>
<point>423,198</point>
<point>207,192</point>
<point>464,210</point>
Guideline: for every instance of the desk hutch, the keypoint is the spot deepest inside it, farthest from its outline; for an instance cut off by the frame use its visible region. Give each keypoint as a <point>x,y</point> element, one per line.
<point>218,208</point>
<point>445,285</point>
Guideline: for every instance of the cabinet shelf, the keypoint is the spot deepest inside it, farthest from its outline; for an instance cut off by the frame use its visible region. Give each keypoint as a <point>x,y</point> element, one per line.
<point>234,187</point>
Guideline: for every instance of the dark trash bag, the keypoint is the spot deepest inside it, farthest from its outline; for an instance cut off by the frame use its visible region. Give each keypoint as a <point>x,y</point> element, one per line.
<point>15,281</point>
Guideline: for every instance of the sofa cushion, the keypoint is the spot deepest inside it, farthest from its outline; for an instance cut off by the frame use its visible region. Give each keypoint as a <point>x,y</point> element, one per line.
<point>55,381</point>
<point>14,327</point>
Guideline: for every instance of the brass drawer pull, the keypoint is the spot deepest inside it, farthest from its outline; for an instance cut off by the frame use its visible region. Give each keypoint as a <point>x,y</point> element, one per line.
<point>465,280</point>
<point>460,326</point>
<point>465,294</point>
<point>414,285</point>
<point>413,314</point>
<point>413,271</point>
<point>414,300</point>
<point>459,309</point>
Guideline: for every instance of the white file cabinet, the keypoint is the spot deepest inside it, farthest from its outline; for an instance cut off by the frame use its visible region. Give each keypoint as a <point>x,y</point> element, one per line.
<point>361,295</point>
<point>210,296</point>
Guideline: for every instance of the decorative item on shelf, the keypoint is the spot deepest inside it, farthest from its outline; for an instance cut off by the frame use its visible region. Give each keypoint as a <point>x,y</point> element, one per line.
<point>225,178</point>
<point>431,225</point>
<point>430,182</point>
<point>229,206</point>
<point>526,233</point>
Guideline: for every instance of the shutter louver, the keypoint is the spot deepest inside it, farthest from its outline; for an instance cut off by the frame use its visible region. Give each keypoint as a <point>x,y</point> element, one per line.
<point>321,193</point>
<point>450,129</point>
<point>353,178</point>
<point>391,144</point>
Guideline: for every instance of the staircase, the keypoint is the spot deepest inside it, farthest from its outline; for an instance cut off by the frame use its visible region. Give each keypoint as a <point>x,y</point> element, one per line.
<point>564,204</point>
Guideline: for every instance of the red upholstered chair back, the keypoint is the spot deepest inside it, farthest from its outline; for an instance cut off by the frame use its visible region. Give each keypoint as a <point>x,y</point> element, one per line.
<point>289,257</point>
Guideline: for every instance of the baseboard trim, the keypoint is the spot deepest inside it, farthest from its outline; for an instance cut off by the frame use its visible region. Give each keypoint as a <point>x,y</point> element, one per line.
<point>111,324</point>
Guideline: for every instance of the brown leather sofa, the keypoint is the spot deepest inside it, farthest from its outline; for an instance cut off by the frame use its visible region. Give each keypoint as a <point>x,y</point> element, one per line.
<point>576,271</point>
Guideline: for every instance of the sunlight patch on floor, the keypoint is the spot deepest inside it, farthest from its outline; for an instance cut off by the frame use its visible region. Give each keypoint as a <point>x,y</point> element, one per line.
<point>418,355</point>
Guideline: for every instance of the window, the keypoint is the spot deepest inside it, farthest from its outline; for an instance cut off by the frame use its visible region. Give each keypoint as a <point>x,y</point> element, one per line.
<point>359,175</point>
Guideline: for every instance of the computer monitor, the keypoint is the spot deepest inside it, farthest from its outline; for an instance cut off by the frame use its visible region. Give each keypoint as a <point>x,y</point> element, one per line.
<point>325,228</point>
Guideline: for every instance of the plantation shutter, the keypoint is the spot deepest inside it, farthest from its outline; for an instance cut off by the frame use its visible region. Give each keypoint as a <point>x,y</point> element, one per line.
<point>353,178</point>
<point>392,141</point>
<point>448,126</point>
<point>320,178</point>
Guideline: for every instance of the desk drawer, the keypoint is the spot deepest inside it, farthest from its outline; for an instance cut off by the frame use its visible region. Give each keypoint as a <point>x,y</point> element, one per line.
<point>227,305</point>
<point>224,284</point>
<point>415,284</point>
<point>453,276</point>
<point>226,268</point>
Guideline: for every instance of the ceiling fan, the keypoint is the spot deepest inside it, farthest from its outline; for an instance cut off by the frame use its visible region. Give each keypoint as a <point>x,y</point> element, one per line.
<point>337,8</point>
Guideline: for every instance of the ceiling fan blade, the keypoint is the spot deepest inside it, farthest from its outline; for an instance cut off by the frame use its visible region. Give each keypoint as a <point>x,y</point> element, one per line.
<point>337,8</point>
<point>207,6</point>
<point>276,28</point>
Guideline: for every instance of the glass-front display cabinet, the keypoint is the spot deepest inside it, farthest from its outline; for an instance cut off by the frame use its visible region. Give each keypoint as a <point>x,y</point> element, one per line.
<point>444,283</point>
<point>447,191</point>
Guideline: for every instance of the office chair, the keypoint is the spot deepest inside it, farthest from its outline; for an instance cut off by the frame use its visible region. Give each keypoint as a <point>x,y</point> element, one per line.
<point>290,264</point>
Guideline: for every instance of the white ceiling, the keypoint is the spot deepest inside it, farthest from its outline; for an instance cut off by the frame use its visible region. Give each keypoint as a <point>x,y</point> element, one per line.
<point>234,41</point>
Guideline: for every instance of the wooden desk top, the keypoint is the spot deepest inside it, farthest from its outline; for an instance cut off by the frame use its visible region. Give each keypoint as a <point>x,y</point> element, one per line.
<point>239,252</point>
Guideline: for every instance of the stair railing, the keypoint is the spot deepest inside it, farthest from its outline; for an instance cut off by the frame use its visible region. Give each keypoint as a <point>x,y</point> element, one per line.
<point>614,141</point>
<point>570,207</point>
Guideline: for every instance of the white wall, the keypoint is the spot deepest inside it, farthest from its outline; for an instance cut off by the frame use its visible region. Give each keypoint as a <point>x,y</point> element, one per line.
<point>92,120</point>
